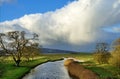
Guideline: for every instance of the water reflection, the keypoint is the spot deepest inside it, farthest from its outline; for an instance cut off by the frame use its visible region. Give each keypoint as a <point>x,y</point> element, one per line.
<point>50,70</point>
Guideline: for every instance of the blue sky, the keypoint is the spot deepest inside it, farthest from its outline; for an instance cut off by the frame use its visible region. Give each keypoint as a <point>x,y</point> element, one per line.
<point>63,24</point>
<point>18,8</point>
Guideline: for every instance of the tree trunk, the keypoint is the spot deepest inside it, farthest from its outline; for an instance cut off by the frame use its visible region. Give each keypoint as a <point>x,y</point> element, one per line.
<point>17,63</point>
<point>28,59</point>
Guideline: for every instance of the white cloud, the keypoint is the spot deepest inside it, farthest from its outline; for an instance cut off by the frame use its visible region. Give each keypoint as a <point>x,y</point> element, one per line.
<point>116,4</point>
<point>79,23</point>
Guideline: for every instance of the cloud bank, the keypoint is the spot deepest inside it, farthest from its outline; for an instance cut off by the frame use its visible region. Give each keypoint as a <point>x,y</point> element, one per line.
<point>76,26</point>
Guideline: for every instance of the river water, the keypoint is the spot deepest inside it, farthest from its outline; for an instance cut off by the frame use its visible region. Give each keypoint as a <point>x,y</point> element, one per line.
<point>49,70</point>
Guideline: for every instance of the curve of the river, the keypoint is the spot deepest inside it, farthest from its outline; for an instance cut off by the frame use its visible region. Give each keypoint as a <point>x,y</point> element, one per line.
<point>49,70</point>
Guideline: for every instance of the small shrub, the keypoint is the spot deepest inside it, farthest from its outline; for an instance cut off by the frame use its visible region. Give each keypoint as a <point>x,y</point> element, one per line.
<point>101,54</point>
<point>102,58</point>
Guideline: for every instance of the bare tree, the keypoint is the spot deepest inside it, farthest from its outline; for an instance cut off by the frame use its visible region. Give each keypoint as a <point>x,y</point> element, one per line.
<point>31,51</point>
<point>13,43</point>
<point>101,54</point>
<point>101,47</point>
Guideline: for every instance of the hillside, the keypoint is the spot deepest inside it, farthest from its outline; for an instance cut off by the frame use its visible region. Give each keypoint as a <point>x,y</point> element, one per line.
<point>49,51</point>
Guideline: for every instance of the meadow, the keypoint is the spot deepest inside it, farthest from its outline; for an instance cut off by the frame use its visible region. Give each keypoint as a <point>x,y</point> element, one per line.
<point>9,71</point>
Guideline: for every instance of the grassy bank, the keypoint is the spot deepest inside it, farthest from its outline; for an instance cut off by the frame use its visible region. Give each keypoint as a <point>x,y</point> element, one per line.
<point>105,71</point>
<point>9,71</point>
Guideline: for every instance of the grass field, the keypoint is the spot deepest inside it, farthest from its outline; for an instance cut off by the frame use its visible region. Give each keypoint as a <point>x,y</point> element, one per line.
<point>9,71</point>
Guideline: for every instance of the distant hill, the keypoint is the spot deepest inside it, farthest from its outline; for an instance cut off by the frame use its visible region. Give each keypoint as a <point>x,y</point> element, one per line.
<point>48,50</point>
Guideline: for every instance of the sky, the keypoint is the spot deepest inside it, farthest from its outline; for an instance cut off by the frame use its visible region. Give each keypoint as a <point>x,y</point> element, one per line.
<point>12,9</point>
<point>64,24</point>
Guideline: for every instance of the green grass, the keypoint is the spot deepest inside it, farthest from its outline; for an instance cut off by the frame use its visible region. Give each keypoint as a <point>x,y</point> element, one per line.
<point>103,73</point>
<point>9,71</point>
<point>12,72</point>
<point>114,70</point>
<point>103,70</point>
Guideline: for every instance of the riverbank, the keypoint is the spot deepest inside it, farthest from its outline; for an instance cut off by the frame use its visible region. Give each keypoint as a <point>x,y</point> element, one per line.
<point>49,70</point>
<point>104,71</point>
<point>78,71</point>
<point>10,71</point>
<point>38,65</point>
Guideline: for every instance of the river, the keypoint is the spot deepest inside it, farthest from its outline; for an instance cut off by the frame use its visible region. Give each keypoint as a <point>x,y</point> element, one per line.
<point>49,70</point>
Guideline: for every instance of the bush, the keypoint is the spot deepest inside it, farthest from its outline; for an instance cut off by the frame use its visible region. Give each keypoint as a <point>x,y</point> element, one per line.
<point>101,54</point>
<point>115,58</point>
<point>102,58</point>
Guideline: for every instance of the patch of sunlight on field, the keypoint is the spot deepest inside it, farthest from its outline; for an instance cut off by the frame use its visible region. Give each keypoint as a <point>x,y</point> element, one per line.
<point>11,58</point>
<point>85,58</point>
